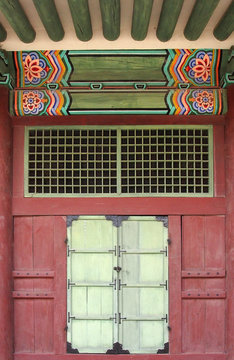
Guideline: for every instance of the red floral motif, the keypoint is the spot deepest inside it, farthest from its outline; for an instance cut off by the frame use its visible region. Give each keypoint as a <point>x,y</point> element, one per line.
<point>32,68</point>
<point>205,99</point>
<point>202,68</point>
<point>33,102</point>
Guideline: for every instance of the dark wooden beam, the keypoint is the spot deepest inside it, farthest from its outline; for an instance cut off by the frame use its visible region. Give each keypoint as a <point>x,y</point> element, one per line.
<point>110,10</point>
<point>81,19</point>
<point>201,13</point>
<point>3,33</point>
<point>17,18</point>
<point>141,17</point>
<point>168,18</point>
<point>49,16</point>
<point>226,24</point>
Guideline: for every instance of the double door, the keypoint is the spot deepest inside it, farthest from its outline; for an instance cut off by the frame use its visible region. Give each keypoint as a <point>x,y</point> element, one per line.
<point>117,279</point>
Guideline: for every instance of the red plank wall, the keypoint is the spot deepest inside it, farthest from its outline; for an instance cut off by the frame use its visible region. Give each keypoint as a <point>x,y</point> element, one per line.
<point>6,222</point>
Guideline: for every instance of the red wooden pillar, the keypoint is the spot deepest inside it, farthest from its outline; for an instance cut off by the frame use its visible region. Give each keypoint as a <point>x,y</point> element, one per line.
<point>6,226</point>
<point>230,221</point>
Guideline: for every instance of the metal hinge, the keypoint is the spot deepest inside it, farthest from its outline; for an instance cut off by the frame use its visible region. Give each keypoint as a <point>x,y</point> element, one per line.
<point>70,250</point>
<point>113,251</point>
<point>165,318</point>
<point>164,251</point>
<point>164,284</point>
<point>121,284</point>
<point>114,318</point>
<point>121,318</point>
<point>69,317</point>
<point>69,283</point>
<point>113,284</point>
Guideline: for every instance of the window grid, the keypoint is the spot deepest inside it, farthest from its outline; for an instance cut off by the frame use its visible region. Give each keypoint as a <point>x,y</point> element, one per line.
<point>119,161</point>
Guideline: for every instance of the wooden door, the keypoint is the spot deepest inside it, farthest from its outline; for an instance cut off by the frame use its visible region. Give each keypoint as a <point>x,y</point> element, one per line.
<point>117,284</point>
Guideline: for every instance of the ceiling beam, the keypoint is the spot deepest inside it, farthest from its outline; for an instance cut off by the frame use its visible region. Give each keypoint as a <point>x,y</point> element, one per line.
<point>168,18</point>
<point>110,10</point>
<point>81,19</point>
<point>3,33</point>
<point>18,20</point>
<point>226,24</point>
<point>141,17</point>
<point>49,16</point>
<point>200,15</point>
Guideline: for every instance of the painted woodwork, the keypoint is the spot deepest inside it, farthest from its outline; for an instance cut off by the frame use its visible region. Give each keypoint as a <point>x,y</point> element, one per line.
<point>81,19</point>
<point>168,19</point>
<point>117,273</point>
<point>50,19</point>
<point>225,26</point>
<point>141,18</point>
<point>199,18</point>
<point>110,12</point>
<point>229,133</point>
<point>6,230</point>
<point>3,33</point>
<point>18,20</point>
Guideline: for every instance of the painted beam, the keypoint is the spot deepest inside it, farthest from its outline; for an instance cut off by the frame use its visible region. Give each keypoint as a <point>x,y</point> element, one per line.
<point>199,18</point>
<point>141,17</point>
<point>168,19</point>
<point>49,16</point>
<point>18,20</point>
<point>226,24</point>
<point>81,19</point>
<point>110,10</point>
<point>3,33</point>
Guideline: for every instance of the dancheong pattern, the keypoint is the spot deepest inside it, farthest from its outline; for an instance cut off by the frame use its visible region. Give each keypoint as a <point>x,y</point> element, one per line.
<point>175,82</point>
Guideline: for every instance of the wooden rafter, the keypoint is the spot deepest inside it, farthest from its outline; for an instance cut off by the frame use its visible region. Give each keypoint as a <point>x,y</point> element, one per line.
<point>168,18</point>
<point>49,16</point>
<point>17,18</point>
<point>141,17</point>
<point>110,10</point>
<point>81,19</point>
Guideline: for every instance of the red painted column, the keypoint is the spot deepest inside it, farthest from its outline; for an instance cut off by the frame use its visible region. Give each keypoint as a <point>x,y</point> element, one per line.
<point>6,230</point>
<point>229,140</point>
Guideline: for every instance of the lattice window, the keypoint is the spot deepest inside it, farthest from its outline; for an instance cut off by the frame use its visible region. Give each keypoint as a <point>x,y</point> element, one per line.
<point>119,161</point>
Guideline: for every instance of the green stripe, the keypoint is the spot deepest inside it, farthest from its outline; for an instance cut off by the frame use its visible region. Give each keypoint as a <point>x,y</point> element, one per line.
<point>3,33</point>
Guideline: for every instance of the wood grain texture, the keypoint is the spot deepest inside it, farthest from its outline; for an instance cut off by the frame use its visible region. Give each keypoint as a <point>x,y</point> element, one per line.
<point>17,18</point>
<point>81,19</point>
<point>3,33</point>
<point>50,19</point>
<point>219,161</point>
<point>230,223</point>
<point>110,11</point>
<point>175,316</point>
<point>168,18</point>
<point>140,19</point>
<point>199,18</point>
<point>119,68</point>
<point>225,27</point>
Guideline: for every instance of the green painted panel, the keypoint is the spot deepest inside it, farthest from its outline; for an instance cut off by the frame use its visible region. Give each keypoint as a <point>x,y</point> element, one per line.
<point>92,336</point>
<point>131,312</point>
<point>150,334</point>
<point>120,68</point>
<point>141,18</point>
<point>120,100</point>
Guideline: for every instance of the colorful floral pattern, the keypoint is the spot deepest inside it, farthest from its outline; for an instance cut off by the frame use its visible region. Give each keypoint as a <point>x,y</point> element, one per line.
<point>199,67</point>
<point>35,68</point>
<point>203,101</point>
<point>33,102</point>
